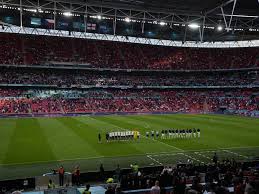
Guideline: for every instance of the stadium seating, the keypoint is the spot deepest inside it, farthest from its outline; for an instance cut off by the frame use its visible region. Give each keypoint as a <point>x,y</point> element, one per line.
<point>85,78</point>
<point>110,101</point>
<point>32,50</point>
<point>39,50</point>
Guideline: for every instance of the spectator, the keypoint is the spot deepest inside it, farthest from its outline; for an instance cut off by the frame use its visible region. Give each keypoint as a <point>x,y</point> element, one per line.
<point>76,175</point>
<point>87,189</point>
<point>51,185</point>
<point>101,171</point>
<point>155,189</point>
<point>110,190</point>
<point>61,173</point>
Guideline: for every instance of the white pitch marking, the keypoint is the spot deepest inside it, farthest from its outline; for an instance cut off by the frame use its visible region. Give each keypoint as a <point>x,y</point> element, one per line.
<point>199,153</point>
<point>154,160</point>
<point>192,158</point>
<point>235,153</point>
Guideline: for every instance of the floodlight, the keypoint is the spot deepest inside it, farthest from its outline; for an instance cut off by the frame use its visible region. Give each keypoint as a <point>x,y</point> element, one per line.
<point>68,14</point>
<point>219,28</point>
<point>162,23</point>
<point>127,20</point>
<point>193,26</point>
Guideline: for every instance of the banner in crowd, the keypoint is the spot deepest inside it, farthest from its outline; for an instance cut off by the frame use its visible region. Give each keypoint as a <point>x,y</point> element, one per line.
<point>49,23</point>
<point>79,26</point>
<point>91,26</point>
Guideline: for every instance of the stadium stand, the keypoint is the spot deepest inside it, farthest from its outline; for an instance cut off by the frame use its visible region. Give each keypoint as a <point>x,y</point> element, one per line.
<point>31,50</point>
<point>243,102</point>
<point>227,176</point>
<point>85,78</point>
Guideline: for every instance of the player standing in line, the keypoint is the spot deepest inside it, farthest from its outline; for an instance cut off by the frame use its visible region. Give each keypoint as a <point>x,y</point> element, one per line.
<point>166,133</point>
<point>194,133</point>
<point>123,135</point>
<point>120,135</point>
<point>132,135</point>
<point>190,133</point>
<point>163,134</point>
<point>198,133</point>
<point>115,135</point>
<point>157,134</point>
<point>176,133</point>
<point>112,136</point>
<point>138,135</point>
<point>153,134</point>
<point>99,138</point>
<point>147,134</point>
<point>107,137</point>
<point>169,133</point>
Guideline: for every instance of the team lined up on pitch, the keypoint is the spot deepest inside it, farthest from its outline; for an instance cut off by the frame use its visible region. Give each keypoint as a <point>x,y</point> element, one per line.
<point>163,134</point>
<point>174,134</point>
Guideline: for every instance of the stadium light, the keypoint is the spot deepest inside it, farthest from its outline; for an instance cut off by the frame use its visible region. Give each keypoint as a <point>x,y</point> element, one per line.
<point>193,26</point>
<point>99,17</point>
<point>68,14</point>
<point>127,19</point>
<point>162,23</point>
<point>219,28</point>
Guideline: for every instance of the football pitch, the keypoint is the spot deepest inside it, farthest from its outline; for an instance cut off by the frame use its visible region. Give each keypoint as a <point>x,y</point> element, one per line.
<point>33,146</point>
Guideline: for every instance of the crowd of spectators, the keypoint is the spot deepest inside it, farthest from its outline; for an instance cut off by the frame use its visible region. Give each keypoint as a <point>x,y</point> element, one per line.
<point>35,50</point>
<point>93,101</point>
<point>224,177</point>
<point>86,78</point>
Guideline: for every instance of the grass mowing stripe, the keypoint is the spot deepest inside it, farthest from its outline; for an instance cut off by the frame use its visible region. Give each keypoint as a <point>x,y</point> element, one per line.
<point>84,134</point>
<point>65,143</point>
<point>7,129</point>
<point>28,143</point>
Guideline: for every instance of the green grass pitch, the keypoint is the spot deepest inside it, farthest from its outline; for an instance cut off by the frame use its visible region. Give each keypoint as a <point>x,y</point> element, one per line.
<point>33,146</point>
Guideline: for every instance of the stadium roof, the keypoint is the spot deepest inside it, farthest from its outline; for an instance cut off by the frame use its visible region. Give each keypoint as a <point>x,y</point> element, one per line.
<point>193,7</point>
<point>181,7</point>
<point>239,17</point>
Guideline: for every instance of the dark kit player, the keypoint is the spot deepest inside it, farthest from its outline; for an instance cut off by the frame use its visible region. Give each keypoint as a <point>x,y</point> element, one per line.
<point>99,138</point>
<point>107,137</point>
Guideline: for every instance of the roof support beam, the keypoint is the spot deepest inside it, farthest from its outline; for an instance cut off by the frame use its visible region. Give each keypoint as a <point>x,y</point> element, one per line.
<point>233,9</point>
<point>222,5</point>
<point>202,29</point>
<point>224,17</point>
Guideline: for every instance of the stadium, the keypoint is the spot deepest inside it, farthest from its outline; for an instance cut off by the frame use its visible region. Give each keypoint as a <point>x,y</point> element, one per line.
<point>129,96</point>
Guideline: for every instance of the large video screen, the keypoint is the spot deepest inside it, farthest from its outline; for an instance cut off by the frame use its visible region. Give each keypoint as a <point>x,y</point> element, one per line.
<point>35,21</point>
<point>8,19</point>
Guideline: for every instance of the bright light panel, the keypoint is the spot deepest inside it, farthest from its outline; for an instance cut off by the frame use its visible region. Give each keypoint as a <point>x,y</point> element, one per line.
<point>68,14</point>
<point>219,28</point>
<point>193,26</point>
<point>162,23</point>
<point>127,20</point>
